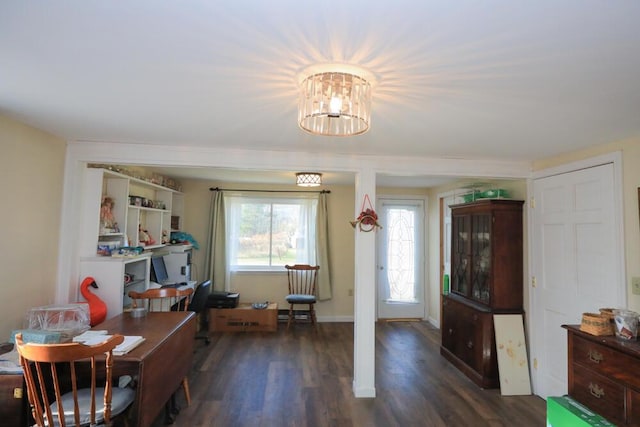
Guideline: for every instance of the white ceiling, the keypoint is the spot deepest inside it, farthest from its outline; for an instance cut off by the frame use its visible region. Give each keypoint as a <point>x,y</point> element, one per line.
<point>456,79</point>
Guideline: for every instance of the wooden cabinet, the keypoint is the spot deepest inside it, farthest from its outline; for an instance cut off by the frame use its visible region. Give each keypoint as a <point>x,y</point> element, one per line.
<point>466,333</point>
<point>603,375</point>
<point>486,255</point>
<point>486,279</point>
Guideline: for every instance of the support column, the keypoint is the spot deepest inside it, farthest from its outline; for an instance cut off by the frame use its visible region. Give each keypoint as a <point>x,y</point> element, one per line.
<point>365,291</point>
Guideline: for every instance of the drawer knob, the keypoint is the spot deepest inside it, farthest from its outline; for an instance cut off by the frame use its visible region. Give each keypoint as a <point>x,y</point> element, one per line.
<point>595,356</point>
<point>470,344</point>
<point>596,390</point>
<point>450,331</point>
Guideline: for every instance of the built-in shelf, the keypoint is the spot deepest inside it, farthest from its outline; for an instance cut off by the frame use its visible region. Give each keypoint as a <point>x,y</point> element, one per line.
<point>109,271</point>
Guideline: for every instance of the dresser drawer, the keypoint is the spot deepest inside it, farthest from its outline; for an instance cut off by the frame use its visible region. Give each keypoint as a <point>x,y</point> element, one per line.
<point>606,361</point>
<point>13,401</point>
<point>598,393</point>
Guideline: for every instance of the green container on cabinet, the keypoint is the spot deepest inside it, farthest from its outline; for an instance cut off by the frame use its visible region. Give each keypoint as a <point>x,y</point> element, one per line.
<point>563,411</point>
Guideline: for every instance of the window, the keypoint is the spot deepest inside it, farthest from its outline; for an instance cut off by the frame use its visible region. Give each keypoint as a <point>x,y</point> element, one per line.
<point>265,233</point>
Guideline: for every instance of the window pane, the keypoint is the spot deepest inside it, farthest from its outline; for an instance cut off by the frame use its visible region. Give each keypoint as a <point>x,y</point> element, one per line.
<point>265,232</point>
<point>284,233</point>
<point>254,238</point>
<point>401,254</point>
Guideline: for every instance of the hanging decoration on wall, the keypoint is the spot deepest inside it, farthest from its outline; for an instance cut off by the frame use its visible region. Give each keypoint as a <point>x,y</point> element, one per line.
<point>368,219</point>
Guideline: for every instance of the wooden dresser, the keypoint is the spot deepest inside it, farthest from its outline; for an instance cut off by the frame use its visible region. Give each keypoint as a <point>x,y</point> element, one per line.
<point>604,375</point>
<point>13,397</point>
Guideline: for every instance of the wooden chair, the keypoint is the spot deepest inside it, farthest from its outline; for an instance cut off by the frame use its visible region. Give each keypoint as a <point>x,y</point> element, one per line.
<point>162,299</point>
<point>51,368</point>
<point>165,299</point>
<point>302,289</point>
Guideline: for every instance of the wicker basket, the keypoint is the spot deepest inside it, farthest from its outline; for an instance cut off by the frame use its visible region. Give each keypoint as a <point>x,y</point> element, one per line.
<point>596,324</point>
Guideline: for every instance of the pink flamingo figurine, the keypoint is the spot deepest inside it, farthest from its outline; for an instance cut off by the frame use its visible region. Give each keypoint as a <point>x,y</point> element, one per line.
<point>97,307</point>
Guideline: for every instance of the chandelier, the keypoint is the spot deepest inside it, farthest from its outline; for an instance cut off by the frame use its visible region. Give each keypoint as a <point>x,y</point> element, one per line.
<point>335,100</point>
<point>308,179</point>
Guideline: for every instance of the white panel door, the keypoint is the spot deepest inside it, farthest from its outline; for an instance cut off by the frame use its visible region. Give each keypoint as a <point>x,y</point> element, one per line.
<point>574,264</point>
<point>400,259</point>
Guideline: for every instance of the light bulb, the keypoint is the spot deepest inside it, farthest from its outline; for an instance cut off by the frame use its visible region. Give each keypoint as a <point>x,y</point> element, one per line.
<point>335,106</point>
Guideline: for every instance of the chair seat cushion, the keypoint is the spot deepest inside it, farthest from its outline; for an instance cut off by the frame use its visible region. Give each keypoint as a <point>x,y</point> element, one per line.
<point>300,299</point>
<point>121,398</point>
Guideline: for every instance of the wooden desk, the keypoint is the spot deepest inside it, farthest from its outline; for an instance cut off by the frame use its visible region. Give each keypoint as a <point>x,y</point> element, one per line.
<point>160,363</point>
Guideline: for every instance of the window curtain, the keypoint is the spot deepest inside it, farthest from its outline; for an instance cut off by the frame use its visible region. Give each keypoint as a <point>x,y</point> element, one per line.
<point>322,249</point>
<point>216,254</point>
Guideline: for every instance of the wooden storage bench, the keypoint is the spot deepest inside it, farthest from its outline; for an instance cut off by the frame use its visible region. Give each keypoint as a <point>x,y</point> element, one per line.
<point>244,318</point>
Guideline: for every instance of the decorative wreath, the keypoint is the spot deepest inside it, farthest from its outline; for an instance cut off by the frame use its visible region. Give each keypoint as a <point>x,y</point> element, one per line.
<point>368,219</point>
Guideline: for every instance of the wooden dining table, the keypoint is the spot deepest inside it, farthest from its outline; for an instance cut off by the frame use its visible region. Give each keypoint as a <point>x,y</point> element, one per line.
<point>158,364</point>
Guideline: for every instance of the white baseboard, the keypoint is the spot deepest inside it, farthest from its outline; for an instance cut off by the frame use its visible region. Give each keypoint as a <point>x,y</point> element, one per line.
<point>434,322</point>
<point>334,319</point>
<point>363,392</point>
<point>340,319</point>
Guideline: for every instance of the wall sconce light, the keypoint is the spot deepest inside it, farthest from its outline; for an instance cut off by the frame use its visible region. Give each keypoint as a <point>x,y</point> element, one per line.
<point>308,179</point>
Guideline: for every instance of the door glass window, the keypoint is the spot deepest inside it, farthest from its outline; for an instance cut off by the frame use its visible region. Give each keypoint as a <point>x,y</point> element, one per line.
<point>401,254</point>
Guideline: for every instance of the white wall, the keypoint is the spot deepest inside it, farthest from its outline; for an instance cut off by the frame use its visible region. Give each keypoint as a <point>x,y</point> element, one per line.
<point>32,165</point>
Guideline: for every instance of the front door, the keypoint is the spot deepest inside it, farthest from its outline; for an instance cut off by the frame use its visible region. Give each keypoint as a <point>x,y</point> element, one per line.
<point>401,259</point>
<point>574,264</point>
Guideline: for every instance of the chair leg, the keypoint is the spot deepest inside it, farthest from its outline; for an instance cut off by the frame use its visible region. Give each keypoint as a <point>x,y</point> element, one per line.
<point>187,394</point>
<point>290,315</point>
<point>312,314</point>
<point>171,410</point>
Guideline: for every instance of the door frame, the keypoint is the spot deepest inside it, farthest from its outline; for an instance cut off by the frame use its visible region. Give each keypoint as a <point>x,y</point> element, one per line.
<point>441,230</point>
<point>614,158</point>
<point>425,246</point>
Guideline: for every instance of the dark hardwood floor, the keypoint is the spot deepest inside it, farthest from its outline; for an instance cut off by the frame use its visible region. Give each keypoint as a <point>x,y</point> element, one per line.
<point>302,378</point>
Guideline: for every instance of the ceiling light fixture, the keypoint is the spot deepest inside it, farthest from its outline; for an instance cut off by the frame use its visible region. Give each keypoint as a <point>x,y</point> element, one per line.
<point>335,100</point>
<point>308,179</point>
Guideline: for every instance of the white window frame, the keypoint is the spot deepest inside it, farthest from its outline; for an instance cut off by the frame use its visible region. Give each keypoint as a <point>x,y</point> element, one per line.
<point>234,200</point>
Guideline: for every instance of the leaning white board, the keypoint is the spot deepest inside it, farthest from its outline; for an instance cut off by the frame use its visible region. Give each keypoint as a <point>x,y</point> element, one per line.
<point>511,347</point>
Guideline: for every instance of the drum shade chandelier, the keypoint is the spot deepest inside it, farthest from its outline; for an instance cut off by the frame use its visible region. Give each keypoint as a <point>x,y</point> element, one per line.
<point>308,179</point>
<point>335,100</point>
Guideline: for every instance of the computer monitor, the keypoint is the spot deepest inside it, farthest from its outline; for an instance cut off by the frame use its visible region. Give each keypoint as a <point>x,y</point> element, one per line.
<point>158,270</point>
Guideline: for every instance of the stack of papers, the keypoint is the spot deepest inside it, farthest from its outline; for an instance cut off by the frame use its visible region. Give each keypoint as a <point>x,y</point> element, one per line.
<point>130,342</point>
<point>93,337</point>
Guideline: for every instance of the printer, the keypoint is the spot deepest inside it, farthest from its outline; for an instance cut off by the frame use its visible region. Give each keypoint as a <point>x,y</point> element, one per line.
<point>222,299</point>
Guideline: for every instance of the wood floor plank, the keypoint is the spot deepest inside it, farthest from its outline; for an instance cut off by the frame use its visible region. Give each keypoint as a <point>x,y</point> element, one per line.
<point>303,377</point>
